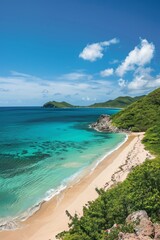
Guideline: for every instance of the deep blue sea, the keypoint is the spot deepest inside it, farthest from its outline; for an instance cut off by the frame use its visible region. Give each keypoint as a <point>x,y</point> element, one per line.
<point>42,150</point>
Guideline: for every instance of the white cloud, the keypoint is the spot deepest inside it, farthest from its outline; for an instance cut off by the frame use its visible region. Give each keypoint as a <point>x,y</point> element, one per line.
<point>140,56</point>
<point>94,51</point>
<point>143,71</point>
<point>19,74</point>
<point>24,76</point>
<point>142,82</point>
<point>114,61</point>
<point>87,99</point>
<point>76,76</point>
<point>139,82</point>
<point>24,89</point>
<point>107,72</point>
<point>122,83</point>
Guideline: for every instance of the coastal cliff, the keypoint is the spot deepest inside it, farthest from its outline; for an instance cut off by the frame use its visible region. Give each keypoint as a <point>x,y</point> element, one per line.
<point>104,124</point>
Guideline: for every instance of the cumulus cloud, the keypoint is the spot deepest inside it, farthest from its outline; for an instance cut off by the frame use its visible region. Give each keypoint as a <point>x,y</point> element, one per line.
<point>95,50</point>
<point>141,83</point>
<point>107,72</point>
<point>139,56</point>
<point>143,80</point>
<point>122,83</point>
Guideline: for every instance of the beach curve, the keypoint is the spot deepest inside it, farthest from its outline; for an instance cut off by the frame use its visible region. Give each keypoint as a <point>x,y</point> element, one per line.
<point>51,218</point>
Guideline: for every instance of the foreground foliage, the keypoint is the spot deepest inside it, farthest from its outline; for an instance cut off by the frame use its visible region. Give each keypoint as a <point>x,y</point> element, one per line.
<point>141,190</point>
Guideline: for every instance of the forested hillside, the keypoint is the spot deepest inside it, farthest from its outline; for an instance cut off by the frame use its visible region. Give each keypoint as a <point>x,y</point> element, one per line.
<point>141,189</point>
<point>120,102</point>
<point>140,115</point>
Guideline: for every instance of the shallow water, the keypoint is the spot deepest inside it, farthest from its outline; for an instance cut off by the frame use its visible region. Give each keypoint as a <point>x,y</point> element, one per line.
<point>42,149</point>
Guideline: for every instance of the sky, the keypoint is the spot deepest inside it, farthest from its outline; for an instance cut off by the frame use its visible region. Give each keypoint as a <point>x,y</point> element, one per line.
<point>79,51</point>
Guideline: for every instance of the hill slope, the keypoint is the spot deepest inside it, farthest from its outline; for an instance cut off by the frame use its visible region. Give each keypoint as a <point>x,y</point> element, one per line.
<point>119,102</point>
<point>139,191</point>
<point>54,104</point>
<point>140,115</point>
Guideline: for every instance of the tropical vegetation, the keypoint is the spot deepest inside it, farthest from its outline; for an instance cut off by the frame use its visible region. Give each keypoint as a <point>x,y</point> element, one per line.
<point>141,189</point>
<point>140,115</point>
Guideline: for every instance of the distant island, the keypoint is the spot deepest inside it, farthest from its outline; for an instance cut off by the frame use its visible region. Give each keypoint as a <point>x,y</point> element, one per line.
<point>54,104</point>
<point>119,102</point>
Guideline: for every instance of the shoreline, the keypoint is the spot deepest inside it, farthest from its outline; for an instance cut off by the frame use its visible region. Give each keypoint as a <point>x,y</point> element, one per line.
<point>51,219</point>
<point>12,224</point>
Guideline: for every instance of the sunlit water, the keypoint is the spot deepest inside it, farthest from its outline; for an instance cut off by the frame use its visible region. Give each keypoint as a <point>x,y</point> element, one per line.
<point>41,150</point>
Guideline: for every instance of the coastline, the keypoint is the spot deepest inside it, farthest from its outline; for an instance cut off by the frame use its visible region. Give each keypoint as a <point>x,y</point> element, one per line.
<point>11,224</point>
<point>51,218</point>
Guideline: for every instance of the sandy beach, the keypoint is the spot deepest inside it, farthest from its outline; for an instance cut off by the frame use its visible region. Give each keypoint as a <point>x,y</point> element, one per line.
<point>51,218</point>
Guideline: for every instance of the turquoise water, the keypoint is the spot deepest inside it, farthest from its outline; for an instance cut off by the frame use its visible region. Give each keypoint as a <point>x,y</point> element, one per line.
<point>41,150</point>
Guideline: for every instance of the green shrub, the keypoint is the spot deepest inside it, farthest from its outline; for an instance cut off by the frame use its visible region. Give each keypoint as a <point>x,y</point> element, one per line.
<point>141,190</point>
<point>152,139</point>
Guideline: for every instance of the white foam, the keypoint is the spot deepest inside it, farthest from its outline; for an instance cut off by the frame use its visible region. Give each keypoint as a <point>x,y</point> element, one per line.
<point>8,224</point>
<point>53,192</point>
<point>12,223</point>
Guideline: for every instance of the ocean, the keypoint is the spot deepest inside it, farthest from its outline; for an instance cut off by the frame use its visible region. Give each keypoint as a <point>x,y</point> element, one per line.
<point>44,150</point>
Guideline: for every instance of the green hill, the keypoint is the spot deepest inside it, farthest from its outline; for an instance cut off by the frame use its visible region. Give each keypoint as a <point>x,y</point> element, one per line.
<point>54,104</point>
<point>120,102</point>
<point>140,115</point>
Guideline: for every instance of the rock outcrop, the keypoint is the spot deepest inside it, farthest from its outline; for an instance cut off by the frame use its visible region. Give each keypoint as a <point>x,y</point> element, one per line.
<point>157,231</point>
<point>144,229</point>
<point>104,124</point>
<point>141,225</point>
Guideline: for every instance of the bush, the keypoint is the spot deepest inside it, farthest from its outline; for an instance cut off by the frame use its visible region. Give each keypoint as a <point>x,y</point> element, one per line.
<point>152,139</point>
<point>141,190</point>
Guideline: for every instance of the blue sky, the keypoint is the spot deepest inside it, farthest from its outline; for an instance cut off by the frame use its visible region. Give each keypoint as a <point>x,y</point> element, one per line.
<point>80,51</point>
